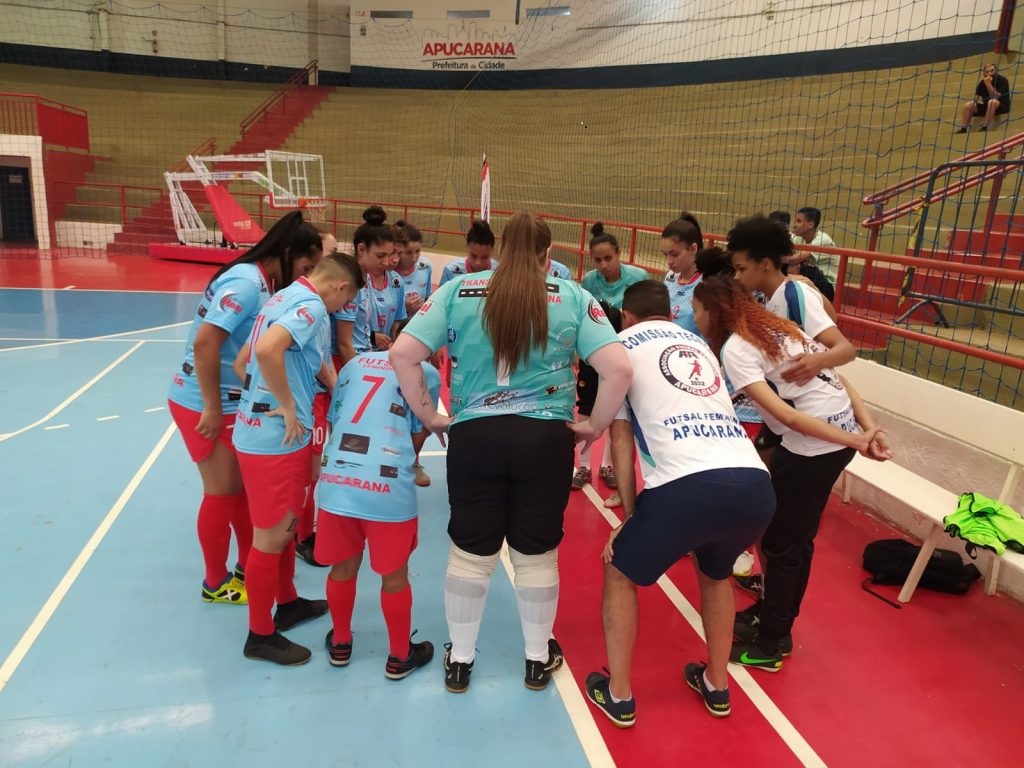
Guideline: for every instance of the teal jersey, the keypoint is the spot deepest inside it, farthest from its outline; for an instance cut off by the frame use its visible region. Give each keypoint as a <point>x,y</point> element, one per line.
<point>680,296</point>
<point>543,388</point>
<point>602,290</point>
<point>301,312</point>
<point>367,468</point>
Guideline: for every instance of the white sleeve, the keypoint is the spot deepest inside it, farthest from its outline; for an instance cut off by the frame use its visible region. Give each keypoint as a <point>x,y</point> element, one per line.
<point>625,412</point>
<point>816,320</point>
<point>743,363</point>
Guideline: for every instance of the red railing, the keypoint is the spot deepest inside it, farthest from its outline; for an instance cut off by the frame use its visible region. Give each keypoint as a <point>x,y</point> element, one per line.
<point>578,248</point>
<point>59,125</point>
<point>878,200</point>
<point>300,78</point>
<point>118,191</point>
<point>208,147</point>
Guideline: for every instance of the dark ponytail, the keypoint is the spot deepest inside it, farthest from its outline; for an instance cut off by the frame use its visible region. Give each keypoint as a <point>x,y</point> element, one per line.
<point>411,231</point>
<point>685,229</point>
<point>713,261</point>
<point>289,239</point>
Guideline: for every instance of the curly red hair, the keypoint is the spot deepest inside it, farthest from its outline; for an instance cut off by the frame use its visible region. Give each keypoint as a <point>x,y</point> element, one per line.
<point>731,309</point>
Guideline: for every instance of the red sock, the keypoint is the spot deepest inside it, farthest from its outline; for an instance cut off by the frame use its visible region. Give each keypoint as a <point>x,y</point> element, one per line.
<point>305,522</point>
<point>286,575</point>
<point>341,599</point>
<point>214,527</point>
<point>261,576</point>
<point>242,524</point>
<point>397,609</point>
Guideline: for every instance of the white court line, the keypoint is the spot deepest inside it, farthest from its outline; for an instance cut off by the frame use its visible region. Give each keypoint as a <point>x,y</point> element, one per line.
<point>154,410</point>
<point>56,426</point>
<point>152,341</point>
<point>104,337</point>
<point>74,396</point>
<point>98,290</point>
<point>21,649</point>
<point>594,745</point>
<point>771,712</point>
<point>107,418</point>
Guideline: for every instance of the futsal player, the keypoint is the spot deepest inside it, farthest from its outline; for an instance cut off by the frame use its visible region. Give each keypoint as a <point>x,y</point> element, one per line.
<point>680,241</point>
<point>479,247</point>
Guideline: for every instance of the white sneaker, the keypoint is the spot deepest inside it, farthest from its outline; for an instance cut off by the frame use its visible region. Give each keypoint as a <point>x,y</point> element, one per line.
<point>744,565</point>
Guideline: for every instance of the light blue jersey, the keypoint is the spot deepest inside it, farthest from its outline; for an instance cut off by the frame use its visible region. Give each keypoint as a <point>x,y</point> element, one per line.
<point>543,388</point>
<point>417,282</point>
<point>460,267</point>
<point>559,270</point>
<point>367,470</point>
<point>374,310</point>
<point>231,303</point>
<point>300,311</point>
<point>602,290</point>
<point>680,295</point>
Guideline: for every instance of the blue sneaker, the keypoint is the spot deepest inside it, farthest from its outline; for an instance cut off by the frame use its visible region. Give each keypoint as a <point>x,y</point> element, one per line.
<point>622,714</point>
<point>717,702</point>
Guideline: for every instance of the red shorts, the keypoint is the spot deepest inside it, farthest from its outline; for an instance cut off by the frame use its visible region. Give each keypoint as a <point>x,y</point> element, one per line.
<point>336,359</point>
<point>198,447</point>
<point>753,428</point>
<point>321,405</point>
<point>276,484</point>
<point>339,538</point>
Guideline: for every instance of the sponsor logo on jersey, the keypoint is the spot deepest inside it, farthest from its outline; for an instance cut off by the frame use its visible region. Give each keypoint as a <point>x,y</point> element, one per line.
<point>595,312</point>
<point>355,443</point>
<point>388,471</point>
<point>472,293</point>
<point>343,463</point>
<point>501,397</point>
<point>398,410</point>
<point>396,432</point>
<point>354,482</point>
<point>304,314</point>
<point>452,335</point>
<point>396,283</point>
<point>202,311</point>
<point>690,368</point>
<point>426,307</point>
<point>423,265</point>
<point>209,293</point>
<point>390,451</point>
<point>248,420</point>
<point>454,361</point>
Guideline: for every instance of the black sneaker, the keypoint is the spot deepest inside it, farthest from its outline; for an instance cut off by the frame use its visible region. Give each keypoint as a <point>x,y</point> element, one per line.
<point>750,655</point>
<point>420,655</point>
<point>538,673</point>
<point>747,624</point>
<point>304,551</point>
<point>340,654</point>
<point>456,673</point>
<point>276,648</point>
<point>622,714</point>
<point>300,609</point>
<point>754,583</point>
<point>717,702</point>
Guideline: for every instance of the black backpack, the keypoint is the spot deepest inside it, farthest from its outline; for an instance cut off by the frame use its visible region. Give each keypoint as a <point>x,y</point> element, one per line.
<point>889,562</point>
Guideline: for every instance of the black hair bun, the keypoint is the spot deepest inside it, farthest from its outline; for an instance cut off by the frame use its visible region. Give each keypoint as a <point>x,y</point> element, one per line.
<point>598,229</point>
<point>400,223</point>
<point>375,216</point>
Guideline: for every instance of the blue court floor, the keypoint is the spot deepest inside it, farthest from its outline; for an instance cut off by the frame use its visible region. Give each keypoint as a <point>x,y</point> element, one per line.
<point>109,657</point>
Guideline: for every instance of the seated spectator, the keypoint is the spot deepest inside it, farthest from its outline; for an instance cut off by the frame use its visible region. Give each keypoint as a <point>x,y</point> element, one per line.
<point>820,268</point>
<point>991,98</point>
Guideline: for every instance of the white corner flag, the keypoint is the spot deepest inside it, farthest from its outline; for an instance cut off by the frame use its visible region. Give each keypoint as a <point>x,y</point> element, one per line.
<point>485,191</point>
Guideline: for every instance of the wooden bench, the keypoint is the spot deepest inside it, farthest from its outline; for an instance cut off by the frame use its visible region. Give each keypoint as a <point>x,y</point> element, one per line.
<point>987,427</point>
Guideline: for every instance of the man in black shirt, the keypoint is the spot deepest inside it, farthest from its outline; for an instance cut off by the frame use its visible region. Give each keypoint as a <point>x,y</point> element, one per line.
<point>991,98</point>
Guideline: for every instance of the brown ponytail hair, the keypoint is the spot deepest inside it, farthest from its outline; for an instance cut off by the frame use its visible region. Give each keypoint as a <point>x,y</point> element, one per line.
<point>515,314</point>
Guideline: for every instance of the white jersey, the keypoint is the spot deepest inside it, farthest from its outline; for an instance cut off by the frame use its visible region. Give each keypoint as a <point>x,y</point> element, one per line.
<point>803,305</point>
<point>824,397</point>
<point>681,412</point>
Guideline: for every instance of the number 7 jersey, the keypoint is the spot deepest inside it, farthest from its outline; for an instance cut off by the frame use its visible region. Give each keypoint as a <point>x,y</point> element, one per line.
<point>367,468</point>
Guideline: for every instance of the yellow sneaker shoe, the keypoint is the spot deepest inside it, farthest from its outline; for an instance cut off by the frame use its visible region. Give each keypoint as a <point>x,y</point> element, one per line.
<point>232,591</point>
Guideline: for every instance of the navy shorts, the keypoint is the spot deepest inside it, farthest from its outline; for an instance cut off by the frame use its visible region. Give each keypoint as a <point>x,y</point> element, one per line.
<point>715,514</point>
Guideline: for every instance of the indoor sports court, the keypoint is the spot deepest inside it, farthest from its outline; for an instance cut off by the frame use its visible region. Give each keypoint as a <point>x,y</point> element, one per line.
<point>138,140</point>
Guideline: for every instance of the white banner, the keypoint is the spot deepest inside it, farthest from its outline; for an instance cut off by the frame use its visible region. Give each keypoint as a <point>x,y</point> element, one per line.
<point>485,190</point>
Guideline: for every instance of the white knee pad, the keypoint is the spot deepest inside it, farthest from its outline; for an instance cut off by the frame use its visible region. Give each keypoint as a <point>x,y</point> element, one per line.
<point>464,565</point>
<point>535,570</point>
